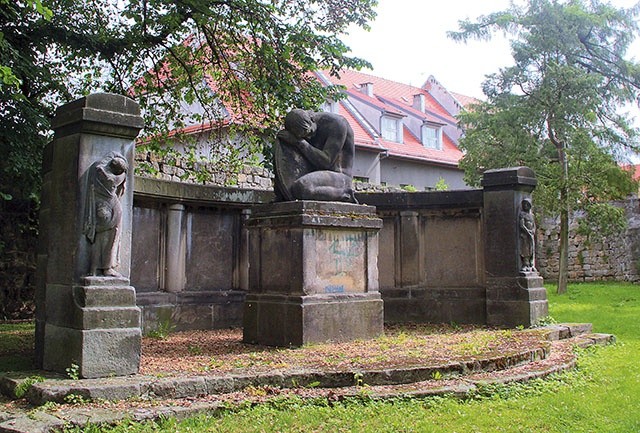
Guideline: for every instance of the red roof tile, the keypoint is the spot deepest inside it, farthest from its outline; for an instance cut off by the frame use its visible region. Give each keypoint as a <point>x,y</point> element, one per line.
<point>390,91</point>
<point>393,97</point>
<point>412,148</point>
<point>464,100</point>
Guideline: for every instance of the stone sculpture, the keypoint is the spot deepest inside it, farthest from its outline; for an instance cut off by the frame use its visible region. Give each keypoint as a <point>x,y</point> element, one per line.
<point>104,213</point>
<point>527,226</point>
<point>314,158</point>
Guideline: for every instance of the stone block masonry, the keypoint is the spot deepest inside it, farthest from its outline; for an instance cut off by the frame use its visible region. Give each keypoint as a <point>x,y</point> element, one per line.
<point>313,275</point>
<point>86,312</point>
<point>593,258</point>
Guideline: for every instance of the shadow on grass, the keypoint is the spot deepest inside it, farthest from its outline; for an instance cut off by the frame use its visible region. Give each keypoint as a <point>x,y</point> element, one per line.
<point>16,346</point>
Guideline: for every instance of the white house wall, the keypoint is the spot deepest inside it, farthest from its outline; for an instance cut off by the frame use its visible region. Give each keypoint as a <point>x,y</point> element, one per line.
<point>367,165</point>
<point>422,176</point>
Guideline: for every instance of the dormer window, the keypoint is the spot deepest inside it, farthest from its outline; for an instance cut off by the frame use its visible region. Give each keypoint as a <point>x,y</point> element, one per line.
<point>329,107</point>
<point>391,128</point>
<point>432,137</point>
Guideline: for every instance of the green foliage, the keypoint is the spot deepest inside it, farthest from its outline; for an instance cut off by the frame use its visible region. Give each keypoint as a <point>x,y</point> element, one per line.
<point>24,386</point>
<point>409,188</point>
<point>187,63</point>
<point>16,346</point>
<point>75,399</point>
<point>73,371</point>
<point>544,321</point>
<point>568,402</point>
<point>441,185</point>
<point>556,109</point>
<point>162,331</point>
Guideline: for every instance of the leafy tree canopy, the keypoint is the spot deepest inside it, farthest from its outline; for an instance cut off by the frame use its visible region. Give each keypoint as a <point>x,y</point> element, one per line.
<point>254,55</point>
<point>557,109</point>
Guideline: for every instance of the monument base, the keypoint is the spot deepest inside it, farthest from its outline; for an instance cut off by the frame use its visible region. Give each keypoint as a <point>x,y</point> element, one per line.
<point>293,321</point>
<point>516,301</point>
<point>420,304</point>
<point>98,329</point>
<point>314,274</point>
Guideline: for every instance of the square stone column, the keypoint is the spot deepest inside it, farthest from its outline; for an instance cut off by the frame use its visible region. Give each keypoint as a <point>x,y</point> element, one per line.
<point>313,274</point>
<point>515,292</point>
<point>86,312</point>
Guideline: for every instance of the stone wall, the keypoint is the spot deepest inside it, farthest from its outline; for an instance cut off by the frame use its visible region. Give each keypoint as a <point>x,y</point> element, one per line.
<point>190,261</point>
<point>612,258</point>
<point>249,177</point>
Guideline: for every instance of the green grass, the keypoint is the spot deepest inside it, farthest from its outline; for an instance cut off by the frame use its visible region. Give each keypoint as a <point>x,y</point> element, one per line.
<point>603,395</point>
<point>16,346</point>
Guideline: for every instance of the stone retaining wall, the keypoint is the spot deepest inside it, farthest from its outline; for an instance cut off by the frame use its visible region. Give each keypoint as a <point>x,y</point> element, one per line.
<point>249,177</point>
<point>612,258</point>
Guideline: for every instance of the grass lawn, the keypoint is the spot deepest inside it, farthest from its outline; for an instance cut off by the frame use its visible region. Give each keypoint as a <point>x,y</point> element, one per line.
<point>603,395</point>
<point>16,346</point>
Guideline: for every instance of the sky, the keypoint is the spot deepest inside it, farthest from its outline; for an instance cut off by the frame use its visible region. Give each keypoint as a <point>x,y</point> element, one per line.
<point>408,43</point>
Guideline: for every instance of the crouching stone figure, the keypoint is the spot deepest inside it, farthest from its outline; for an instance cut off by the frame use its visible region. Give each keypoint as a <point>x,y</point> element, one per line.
<point>314,158</point>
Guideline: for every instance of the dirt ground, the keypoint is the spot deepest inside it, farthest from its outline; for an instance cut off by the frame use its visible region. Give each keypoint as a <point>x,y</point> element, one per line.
<point>222,351</point>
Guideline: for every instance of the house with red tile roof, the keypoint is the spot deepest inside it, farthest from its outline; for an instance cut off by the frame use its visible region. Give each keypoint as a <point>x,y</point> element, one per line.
<point>404,135</point>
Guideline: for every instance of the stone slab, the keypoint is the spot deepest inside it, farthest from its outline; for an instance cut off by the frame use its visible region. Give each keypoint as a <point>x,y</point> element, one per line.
<point>97,352</point>
<point>434,305</point>
<point>295,321</point>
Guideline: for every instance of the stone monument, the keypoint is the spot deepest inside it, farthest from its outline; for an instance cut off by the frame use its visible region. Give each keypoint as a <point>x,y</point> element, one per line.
<point>515,292</point>
<point>313,252</point>
<point>86,312</point>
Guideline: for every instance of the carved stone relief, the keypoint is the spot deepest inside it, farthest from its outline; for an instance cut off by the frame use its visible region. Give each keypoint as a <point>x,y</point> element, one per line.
<point>103,213</point>
<point>527,226</point>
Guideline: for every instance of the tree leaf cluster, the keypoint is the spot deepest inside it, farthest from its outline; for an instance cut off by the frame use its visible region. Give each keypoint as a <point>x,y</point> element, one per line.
<point>187,62</point>
<point>557,109</point>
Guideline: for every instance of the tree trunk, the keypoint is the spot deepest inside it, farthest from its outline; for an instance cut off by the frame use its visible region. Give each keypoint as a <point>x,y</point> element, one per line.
<point>563,266</point>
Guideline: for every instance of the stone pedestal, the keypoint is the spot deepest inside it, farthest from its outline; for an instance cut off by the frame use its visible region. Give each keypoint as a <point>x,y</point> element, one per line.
<point>514,297</point>
<point>313,275</point>
<point>102,332</point>
<point>92,322</point>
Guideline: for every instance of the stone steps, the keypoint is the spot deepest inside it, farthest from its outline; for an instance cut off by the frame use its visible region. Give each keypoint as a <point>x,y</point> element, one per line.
<point>188,395</point>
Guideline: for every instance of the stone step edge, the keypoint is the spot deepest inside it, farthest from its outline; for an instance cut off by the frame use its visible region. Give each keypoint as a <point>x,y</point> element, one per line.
<point>42,422</point>
<point>123,388</point>
<point>145,386</point>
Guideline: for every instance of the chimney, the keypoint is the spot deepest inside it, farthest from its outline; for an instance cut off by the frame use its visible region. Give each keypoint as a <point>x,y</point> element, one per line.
<point>367,88</point>
<point>418,102</point>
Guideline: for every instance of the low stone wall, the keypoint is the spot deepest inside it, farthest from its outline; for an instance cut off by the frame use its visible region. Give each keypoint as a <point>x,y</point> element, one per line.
<point>249,177</point>
<point>189,262</point>
<point>190,258</point>
<point>612,258</point>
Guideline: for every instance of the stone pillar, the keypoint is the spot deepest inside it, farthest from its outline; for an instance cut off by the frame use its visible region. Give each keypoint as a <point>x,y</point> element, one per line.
<point>515,294</point>
<point>313,274</point>
<point>175,274</point>
<point>86,308</point>
<point>411,263</point>
<point>244,259</point>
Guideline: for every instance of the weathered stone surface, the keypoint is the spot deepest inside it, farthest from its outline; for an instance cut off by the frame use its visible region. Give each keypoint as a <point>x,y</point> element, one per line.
<point>37,422</point>
<point>323,282</point>
<point>97,352</point>
<point>295,321</point>
<point>83,319</point>
<point>513,297</point>
<point>434,305</point>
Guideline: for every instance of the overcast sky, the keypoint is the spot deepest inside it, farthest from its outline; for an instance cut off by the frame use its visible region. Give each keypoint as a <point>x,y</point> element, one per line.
<point>408,43</point>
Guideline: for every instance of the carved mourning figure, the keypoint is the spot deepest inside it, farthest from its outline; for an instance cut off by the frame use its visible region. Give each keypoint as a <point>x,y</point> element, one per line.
<point>527,226</point>
<point>314,158</point>
<point>104,213</point>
